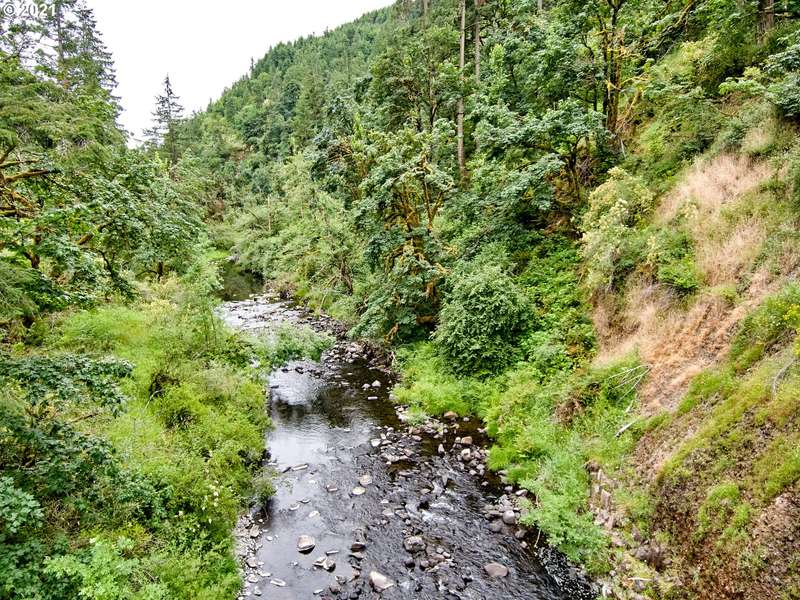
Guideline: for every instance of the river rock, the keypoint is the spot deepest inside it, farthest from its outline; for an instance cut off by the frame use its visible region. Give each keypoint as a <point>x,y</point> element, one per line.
<point>380,582</point>
<point>494,569</point>
<point>305,544</point>
<point>376,384</point>
<point>365,480</point>
<point>358,491</point>
<point>467,440</point>
<point>465,454</point>
<point>496,526</point>
<point>450,415</point>
<point>509,517</point>
<point>414,544</point>
<point>323,562</point>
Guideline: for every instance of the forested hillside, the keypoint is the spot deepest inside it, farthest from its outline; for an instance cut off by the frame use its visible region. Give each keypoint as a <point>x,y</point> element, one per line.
<point>563,215</point>
<point>577,220</point>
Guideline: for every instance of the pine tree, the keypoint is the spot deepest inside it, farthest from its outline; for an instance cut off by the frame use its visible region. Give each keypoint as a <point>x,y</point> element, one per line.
<point>166,117</point>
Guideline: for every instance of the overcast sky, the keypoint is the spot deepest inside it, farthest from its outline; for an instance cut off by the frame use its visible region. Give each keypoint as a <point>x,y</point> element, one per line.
<point>204,46</point>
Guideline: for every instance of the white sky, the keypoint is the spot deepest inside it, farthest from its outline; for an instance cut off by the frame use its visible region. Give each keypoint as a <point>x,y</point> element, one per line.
<point>204,46</point>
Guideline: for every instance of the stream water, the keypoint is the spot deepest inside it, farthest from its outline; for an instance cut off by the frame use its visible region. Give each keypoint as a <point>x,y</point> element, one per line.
<point>385,504</point>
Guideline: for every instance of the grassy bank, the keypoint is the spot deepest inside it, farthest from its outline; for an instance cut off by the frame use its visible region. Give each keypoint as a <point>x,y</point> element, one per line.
<point>132,437</point>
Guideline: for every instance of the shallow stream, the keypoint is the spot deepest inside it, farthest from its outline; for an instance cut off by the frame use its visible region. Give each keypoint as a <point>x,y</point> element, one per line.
<point>385,504</point>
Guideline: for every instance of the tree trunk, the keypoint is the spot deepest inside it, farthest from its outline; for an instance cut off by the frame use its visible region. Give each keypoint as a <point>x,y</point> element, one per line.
<point>766,16</point>
<point>425,6</point>
<point>460,118</point>
<point>478,4</point>
<point>541,6</point>
<point>612,44</point>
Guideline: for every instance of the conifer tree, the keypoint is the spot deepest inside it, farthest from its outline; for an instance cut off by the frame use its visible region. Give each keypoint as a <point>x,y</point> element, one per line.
<point>166,117</point>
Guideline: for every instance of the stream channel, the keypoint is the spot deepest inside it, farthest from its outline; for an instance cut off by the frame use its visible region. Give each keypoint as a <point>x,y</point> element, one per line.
<point>392,510</point>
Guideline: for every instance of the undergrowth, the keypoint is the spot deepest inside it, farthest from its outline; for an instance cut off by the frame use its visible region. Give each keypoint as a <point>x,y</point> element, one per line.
<point>153,444</point>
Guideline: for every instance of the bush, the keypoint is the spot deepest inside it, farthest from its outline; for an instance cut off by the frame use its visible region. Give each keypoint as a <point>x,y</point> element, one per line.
<point>482,322</point>
<point>611,244</point>
<point>159,448</point>
<point>670,258</point>
<point>774,320</point>
<point>429,387</point>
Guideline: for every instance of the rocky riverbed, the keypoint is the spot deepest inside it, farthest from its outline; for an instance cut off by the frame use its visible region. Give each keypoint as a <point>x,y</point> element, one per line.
<point>368,505</point>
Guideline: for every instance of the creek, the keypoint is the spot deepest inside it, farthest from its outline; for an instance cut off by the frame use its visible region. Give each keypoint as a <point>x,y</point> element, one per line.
<point>384,503</point>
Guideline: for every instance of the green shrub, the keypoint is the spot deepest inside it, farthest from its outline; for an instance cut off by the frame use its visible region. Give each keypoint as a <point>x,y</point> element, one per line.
<point>775,319</point>
<point>670,258</point>
<point>158,444</point>
<point>611,245</point>
<point>263,488</point>
<point>429,386</point>
<point>289,342</point>
<point>482,322</point>
<point>105,573</point>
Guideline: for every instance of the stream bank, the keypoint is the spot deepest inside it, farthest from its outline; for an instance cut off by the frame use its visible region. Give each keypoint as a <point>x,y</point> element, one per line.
<point>367,505</point>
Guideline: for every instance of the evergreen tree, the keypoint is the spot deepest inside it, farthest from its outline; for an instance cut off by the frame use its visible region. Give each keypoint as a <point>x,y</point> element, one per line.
<point>166,118</point>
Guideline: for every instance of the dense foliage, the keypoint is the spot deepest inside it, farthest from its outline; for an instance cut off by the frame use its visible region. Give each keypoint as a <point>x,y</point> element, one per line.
<point>464,180</point>
<point>482,204</point>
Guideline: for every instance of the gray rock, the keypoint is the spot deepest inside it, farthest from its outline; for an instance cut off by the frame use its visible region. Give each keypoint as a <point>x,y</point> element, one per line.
<point>305,544</point>
<point>496,526</point>
<point>380,582</point>
<point>323,562</point>
<point>414,544</point>
<point>509,517</point>
<point>494,569</point>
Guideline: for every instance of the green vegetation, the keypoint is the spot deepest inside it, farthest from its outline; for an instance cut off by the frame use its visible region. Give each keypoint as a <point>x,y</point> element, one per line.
<point>741,454</point>
<point>472,213</point>
<point>131,465</point>
<point>466,181</point>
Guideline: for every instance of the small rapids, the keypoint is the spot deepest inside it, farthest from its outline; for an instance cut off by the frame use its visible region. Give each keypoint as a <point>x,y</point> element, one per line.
<point>383,503</point>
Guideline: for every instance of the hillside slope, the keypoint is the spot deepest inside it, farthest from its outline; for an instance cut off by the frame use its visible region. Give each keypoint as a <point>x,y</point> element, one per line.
<point>577,220</point>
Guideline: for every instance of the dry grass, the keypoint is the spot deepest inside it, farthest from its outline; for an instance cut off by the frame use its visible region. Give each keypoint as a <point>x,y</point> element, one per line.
<point>677,341</point>
<point>723,260</point>
<point>710,185</point>
<point>705,196</point>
